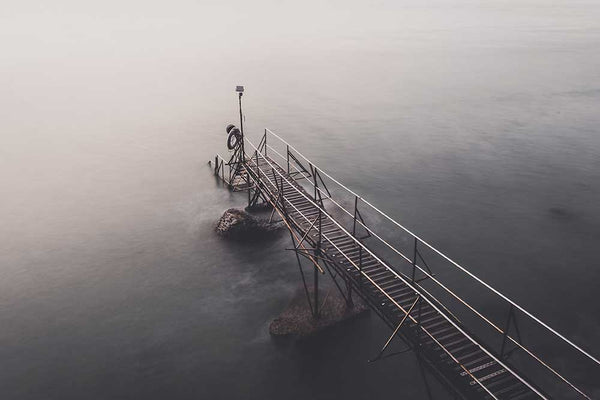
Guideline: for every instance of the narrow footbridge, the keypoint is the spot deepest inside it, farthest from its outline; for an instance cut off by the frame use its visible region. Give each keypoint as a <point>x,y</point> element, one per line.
<point>340,234</point>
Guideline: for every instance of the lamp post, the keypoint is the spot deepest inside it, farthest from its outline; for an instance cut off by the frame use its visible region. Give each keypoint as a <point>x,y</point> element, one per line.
<point>240,91</point>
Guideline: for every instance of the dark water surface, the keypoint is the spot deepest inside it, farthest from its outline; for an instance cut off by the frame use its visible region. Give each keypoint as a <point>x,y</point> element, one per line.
<point>474,123</point>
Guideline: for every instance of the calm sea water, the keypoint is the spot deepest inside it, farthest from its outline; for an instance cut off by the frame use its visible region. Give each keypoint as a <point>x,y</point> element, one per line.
<point>474,123</point>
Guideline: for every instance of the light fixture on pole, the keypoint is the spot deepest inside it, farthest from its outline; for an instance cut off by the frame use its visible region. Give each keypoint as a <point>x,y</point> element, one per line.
<point>240,91</point>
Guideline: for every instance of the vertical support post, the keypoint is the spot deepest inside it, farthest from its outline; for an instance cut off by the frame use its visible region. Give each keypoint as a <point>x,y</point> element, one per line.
<point>414,261</point>
<point>287,152</point>
<point>216,165</point>
<point>419,322</point>
<point>316,283</point>
<point>312,310</point>
<point>355,213</point>
<point>320,230</point>
<point>506,330</point>
<point>265,142</point>
<point>257,187</point>
<point>248,185</point>
<point>316,293</point>
<point>314,174</point>
<point>360,271</point>
<point>241,123</point>
<point>511,316</point>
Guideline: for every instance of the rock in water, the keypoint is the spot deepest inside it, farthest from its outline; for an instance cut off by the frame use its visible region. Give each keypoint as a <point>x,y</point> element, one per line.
<point>297,321</point>
<point>239,225</point>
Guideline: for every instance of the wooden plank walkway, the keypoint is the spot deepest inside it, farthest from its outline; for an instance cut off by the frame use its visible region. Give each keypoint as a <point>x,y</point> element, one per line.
<point>444,343</point>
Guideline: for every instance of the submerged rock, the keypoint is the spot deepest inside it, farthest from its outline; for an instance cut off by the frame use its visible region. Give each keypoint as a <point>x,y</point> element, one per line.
<point>297,321</point>
<point>240,225</point>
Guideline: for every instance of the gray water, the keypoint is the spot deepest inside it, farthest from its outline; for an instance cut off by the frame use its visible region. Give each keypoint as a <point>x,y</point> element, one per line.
<point>473,123</point>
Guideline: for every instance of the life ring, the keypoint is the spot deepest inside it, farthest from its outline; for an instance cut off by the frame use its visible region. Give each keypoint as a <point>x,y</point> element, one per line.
<point>234,138</point>
<point>229,128</point>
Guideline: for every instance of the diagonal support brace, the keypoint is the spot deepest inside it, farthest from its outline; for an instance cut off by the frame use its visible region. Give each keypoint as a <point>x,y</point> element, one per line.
<point>396,330</point>
<point>307,232</point>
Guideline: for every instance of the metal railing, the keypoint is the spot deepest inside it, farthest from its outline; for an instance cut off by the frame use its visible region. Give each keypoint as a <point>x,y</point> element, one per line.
<point>416,289</point>
<point>219,169</point>
<point>294,162</point>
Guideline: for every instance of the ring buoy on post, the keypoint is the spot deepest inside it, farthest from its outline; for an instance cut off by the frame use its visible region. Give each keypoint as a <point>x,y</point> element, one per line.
<point>234,138</point>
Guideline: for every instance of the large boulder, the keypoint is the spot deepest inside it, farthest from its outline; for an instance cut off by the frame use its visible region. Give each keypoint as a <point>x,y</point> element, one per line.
<point>297,321</point>
<point>240,225</point>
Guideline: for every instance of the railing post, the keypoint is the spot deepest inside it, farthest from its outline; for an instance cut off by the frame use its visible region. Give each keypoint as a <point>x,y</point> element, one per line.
<point>287,152</point>
<point>419,321</point>
<point>248,178</point>
<point>355,213</point>
<point>257,188</point>
<point>414,261</point>
<point>217,165</point>
<point>511,316</point>
<point>312,171</point>
<point>230,173</point>
<point>265,142</point>
<point>316,292</point>
<point>316,273</point>
<point>320,229</point>
<point>360,266</point>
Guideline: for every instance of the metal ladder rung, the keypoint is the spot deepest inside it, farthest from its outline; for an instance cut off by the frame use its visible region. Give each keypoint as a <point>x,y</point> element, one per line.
<point>406,295</point>
<point>442,338</point>
<point>442,322</point>
<point>435,316</point>
<point>464,357</point>
<point>462,339</point>
<point>371,265</point>
<point>459,349</point>
<point>475,361</point>
<point>500,380</point>
<point>415,312</point>
<point>400,290</point>
<point>342,241</point>
<point>479,368</point>
<point>383,277</point>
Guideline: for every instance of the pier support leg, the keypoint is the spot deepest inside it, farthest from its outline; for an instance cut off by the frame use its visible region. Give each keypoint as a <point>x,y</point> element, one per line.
<point>312,309</point>
<point>316,293</point>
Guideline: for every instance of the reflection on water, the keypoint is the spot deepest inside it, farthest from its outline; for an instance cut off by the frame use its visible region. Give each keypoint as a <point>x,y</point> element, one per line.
<point>474,124</point>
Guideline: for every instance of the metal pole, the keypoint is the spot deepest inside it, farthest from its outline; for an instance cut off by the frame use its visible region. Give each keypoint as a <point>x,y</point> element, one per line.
<point>360,267</point>
<point>316,293</point>
<point>265,142</point>
<point>355,211</point>
<point>318,252</point>
<point>241,123</point>
<point>414,261</point>
<point>510,316</point>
